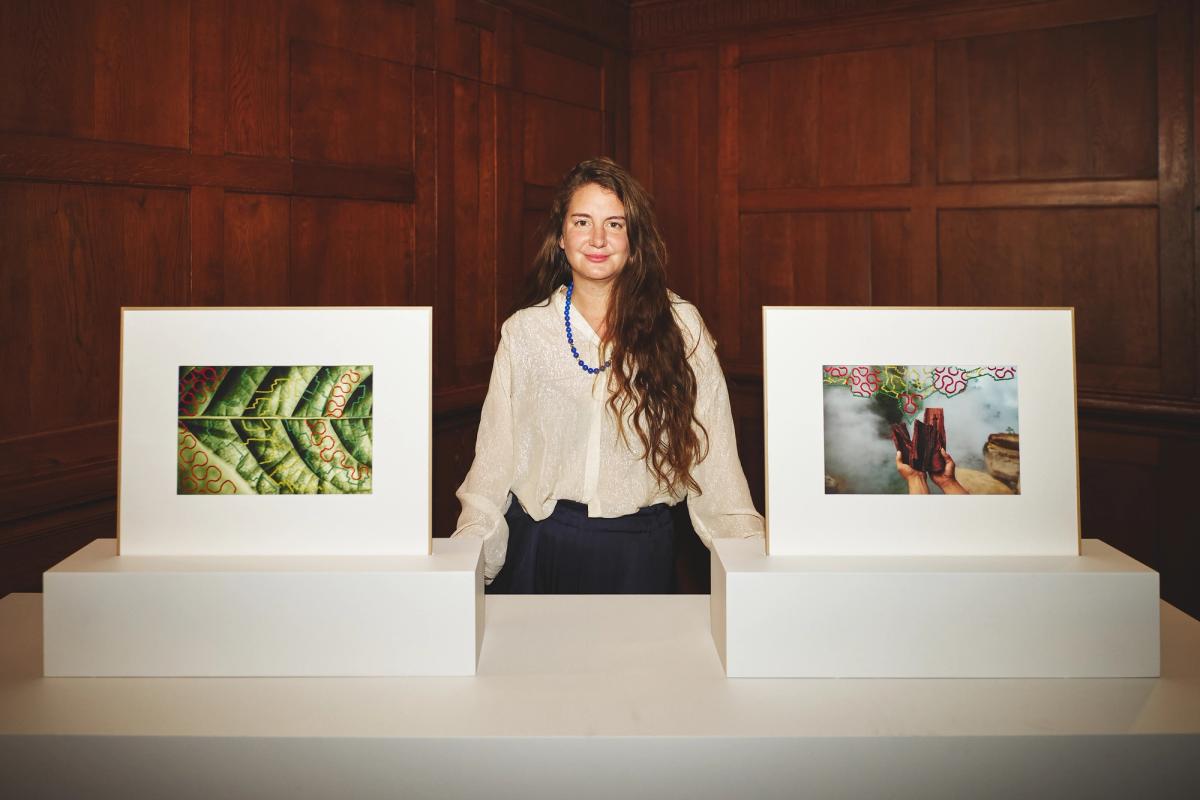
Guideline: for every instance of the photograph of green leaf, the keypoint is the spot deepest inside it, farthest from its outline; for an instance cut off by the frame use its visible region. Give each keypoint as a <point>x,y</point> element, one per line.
<point>274,430</point>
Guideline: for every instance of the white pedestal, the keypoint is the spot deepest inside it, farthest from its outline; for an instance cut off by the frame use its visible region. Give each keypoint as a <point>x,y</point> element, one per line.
<point>1093,615</point>
<point>109,615</point>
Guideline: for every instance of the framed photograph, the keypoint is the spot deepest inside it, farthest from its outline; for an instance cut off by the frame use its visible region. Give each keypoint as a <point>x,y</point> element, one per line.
<point>275,431</point>
<point>920,431</point>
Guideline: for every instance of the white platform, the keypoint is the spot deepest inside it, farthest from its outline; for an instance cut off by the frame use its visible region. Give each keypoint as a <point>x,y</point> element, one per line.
<point>1093,615</point>
<point>109,615</point>
<point>595,697</point>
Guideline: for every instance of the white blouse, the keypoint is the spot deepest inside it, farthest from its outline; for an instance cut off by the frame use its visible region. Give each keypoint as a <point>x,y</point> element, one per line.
<point>546,434</point>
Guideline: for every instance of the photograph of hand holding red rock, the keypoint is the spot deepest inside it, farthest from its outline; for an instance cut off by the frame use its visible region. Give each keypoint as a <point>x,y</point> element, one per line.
<point>944,429</point>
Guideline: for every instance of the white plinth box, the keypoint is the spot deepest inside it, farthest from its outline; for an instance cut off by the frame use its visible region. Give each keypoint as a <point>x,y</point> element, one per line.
<point>109,615</point>
<point>1087,616</point>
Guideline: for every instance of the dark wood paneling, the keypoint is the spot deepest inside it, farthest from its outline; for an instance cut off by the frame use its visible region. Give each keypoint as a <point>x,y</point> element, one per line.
<point>813,258</point>
<point>116,71</point>
<point>73,255</point>
<point>1102,261</point>
<point>779,135</point>
<point>349,101</point>
<point>274,152</point>
<point>960,152</point>
<point>892,279</point>
<point>454,435</point>
<point>833,120</point>
<point>208,25</point>
<point>568,70</point>
<point>256,250</point>
<point>350,253</point>
<point>656,23</point>
<point>374,124</point>
<point>467,299</point>
<point>1135,494</point>
<point>382,29</point>
<point>675,104</point>
<point>1071,102</point>
<point>206,206</point>
<point>865,118</point>
<point>256,47</point>
<point>42,473</point>
<point>557,136</point>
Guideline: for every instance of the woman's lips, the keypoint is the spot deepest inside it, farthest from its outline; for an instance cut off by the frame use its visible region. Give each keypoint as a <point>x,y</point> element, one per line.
<point>597,258</point>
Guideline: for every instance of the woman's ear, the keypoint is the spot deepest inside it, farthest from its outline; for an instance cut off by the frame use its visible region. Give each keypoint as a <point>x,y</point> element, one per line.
<point>561,246</point>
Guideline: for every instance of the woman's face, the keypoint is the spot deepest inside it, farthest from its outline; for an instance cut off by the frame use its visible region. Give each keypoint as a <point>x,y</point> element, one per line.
<point>594,235</point>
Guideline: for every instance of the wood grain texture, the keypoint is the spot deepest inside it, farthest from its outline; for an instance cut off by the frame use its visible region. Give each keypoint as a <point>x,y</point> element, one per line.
<point>557,136</point>
<point>810,258</point>
<point>113,71</point>
<point>256,250</point>
<point>350,253</point>
<point>373,123</point>
<point>1051,160</point>
<point>73,255</point>
<point>674,98</point>
<point>779,134</point>
<point>45,472</point>
<point>1102,261</point>
<point>270,152</point>
<point>208,24</point>
<point>833,120</point>
<point>256,69</point>
<point>207,269</point>
<point>866,118</point>
<point>1178,273</point>
<point>467,308</point>
<point>381,29</point>
<point>561,74</point>
<point>1070,102</point>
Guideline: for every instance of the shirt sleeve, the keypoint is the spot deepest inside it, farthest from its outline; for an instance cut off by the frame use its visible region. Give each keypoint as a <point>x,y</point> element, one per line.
<point>723,508</point>
<point>485,492</point>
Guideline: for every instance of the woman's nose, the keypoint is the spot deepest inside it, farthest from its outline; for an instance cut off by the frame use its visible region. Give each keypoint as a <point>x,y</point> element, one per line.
<point>598,237</point>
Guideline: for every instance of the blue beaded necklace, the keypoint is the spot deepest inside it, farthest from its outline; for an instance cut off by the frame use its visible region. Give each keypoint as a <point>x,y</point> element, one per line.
<point>571,339</point>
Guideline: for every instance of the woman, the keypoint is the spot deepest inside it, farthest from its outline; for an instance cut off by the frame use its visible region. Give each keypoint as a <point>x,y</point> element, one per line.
<point>606,405</point>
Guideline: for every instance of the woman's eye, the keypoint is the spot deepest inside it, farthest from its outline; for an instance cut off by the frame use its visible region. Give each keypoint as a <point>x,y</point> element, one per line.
<point>616,226</point>
<point>579,223</point>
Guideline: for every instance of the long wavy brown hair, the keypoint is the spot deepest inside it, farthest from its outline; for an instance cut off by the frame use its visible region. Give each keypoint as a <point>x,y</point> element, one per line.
<point>652,381</point>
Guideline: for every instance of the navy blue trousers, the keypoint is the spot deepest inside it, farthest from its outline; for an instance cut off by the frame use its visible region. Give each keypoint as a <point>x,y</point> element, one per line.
<point>571,553</point>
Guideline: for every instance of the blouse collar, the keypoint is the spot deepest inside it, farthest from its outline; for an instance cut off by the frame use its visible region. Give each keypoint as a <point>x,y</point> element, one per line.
<point>578,323</point>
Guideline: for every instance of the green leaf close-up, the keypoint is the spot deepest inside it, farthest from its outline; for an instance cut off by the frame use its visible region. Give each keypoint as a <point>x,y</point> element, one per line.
<point>274,430</point>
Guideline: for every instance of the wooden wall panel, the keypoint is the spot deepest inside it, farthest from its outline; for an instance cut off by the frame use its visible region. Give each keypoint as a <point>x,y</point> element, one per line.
<point>891,279</point>
<point>813,258</point>
<point>350,253</point>
<point>865,118</point>
<point>779,134</point>
<point>1102,261</point>
<point>841,119</point>
<point>113,71</point>
<point>74,255</point>
<point>382,29</point>
<point>478,44</point>
<point>374,98</point>
<point>467,299</point>
<point>976,153</point>
<point>571,71</point>
<point>557,136</point>
<point>1070,102</point>
<point>675,100</point>
<point>256,247</point>
<point>256,50</point>
<point>324,152</point>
